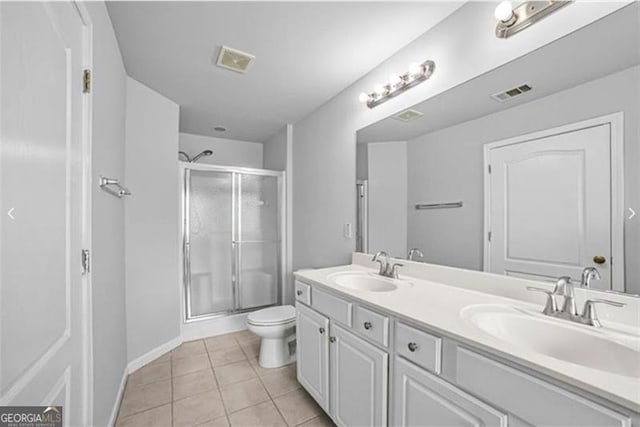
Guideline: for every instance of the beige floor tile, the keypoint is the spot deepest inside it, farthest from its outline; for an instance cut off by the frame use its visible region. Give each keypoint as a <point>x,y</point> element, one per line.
<point>251,347</point>
<point>156,417</point>
<point>320,421</point>
<point>161,359</point>
<point>197,409</point>
<point>297,407</point>
<point>282,381</point>
<point>244,336</point>
<point>141,398</point>
<point>243,394</point>
<point>188,349</point>
<point>218,422</point>
<point>150,373</point>
<point>220,342</point>
<point>193,383</point>
<point>187,365</point>
<point>253,361</point>
<point>224,356</point>
<point>264,414</point>
<point>234,372</point>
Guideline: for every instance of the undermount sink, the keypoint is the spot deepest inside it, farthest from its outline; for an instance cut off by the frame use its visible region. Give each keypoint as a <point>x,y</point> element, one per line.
<point>365,282</point>
<point>557,338</point>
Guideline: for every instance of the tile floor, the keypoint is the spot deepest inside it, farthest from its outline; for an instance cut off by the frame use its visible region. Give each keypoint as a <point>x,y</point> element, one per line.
<point>217,382</point>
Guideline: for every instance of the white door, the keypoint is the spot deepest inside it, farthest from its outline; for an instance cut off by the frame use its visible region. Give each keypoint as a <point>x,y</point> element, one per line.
<point>43,347</point>
<point>550,205</point>
<point>422,399</point>
<point>312,331</point>
<point>359,373</point>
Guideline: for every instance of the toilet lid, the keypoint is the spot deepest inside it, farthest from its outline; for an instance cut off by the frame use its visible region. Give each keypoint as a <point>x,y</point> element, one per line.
<point>272,315</point>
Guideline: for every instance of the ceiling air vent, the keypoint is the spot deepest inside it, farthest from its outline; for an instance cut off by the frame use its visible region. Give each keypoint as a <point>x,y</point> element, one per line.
<point>407,115</point>
<point>511,93</point>
<point>235,60</point>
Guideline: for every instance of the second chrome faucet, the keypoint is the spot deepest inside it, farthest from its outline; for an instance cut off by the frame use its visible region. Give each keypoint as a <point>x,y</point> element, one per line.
<point>569,311</point>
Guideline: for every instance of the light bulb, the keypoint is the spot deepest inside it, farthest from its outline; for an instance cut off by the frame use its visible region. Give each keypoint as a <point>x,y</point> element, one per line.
<point>415,69</point>
<point>394,80</point>
<point>379,90</point>
<point>363,97</point>
<point>504,11</point>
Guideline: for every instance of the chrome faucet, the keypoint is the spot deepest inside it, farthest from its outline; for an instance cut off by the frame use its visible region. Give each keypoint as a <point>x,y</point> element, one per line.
<point>414,251</point>
<point>387,269</point>
<point>569,311</point>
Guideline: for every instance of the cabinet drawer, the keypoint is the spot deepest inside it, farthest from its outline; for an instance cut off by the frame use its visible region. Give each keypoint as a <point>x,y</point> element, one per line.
<point>371,325</point>
<point>421,348</point>
<point>332,306</point>
<point>537,402</point>
<point>303,292</point>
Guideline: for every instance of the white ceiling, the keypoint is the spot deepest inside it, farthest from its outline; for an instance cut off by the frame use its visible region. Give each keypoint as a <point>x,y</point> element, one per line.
<point>604,47</point>
<point>306,53</point>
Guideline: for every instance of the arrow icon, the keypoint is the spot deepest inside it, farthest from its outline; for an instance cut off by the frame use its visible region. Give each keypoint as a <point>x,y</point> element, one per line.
<point>633,213</point>
<point>10,213</point>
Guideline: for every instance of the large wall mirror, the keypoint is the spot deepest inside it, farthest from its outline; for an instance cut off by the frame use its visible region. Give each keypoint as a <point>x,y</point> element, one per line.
<point>530,170</point>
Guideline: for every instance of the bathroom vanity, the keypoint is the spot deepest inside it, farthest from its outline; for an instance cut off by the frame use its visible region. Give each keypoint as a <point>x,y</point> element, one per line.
<point>425,350</point>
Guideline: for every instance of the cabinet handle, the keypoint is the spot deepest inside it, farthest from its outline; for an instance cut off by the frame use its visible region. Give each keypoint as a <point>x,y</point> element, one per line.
<point>368,325</point>
<point>298,292</point>
<point>412,346</point>
<point>321,330</point>
<point>332,339</point>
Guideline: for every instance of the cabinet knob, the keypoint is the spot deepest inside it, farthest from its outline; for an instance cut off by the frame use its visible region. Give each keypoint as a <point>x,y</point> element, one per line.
<point>599,259</point>
<point>321,330</point>
<point>298,292</point>
<point>368,325</point>
<point>412,346</point>
<point>332,339</point>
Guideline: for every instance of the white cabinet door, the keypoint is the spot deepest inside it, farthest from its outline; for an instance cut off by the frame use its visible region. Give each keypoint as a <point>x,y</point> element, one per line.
<point>423,399</point>
<point>312,332</point>
<point>358,380</point>
<point>550,206</point>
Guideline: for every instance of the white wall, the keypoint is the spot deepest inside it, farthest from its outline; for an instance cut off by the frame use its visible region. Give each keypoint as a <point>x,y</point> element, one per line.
<point>448,165</point>
<point>107,217</point>
<point>226,152</point>
<point>463,46</point>
<point>151,220</point>
<point>387,165</point>
<point>275,151</point>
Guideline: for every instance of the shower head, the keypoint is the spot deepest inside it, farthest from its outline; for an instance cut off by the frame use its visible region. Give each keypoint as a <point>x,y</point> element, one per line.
<point>204,153</point>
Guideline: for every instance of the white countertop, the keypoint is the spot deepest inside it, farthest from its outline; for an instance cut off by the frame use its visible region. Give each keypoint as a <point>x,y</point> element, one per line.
<point>438,306</point>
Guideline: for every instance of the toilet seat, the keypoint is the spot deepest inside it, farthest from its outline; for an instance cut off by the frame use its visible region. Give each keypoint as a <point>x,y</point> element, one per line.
<point>273,316</point>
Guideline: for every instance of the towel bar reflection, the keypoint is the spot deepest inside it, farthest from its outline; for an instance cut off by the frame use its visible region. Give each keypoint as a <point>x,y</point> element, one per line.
<point>113,186</point>
<point>438,205</point>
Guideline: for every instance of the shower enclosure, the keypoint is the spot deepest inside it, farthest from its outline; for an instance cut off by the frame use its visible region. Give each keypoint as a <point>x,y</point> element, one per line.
<point>232,222</point>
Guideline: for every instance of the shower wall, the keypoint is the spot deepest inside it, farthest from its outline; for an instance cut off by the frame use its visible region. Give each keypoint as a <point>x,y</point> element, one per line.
<point>226,152</point>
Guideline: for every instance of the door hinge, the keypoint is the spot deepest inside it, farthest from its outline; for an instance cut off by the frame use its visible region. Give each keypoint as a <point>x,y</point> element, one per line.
<point>489,168</point>
<point>86,81</point>
<point>489,236</point>
<point>86,261</point>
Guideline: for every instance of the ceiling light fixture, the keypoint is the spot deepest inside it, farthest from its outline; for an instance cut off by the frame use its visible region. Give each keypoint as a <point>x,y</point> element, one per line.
<point>513,20</point>
<point>398,83</point>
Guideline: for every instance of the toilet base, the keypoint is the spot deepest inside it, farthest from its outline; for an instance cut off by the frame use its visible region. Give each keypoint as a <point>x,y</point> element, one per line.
<point>276,352</point>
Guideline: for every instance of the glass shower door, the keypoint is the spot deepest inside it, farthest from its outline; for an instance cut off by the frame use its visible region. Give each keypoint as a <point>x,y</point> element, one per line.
<point>258,242</point>
<point>209,251</point>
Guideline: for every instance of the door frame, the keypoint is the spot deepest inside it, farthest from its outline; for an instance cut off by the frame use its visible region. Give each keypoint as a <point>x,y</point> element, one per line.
<point>616,125</point>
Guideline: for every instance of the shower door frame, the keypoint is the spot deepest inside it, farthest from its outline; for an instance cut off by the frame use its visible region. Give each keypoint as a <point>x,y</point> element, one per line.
<point>236,173</point>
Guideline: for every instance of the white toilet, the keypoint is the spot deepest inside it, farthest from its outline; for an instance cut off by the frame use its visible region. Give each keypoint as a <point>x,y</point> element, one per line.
<point>276,326</point>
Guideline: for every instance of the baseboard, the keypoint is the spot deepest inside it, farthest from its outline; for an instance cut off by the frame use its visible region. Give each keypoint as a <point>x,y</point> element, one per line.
<point>116,405</point>
<point>152,355</point>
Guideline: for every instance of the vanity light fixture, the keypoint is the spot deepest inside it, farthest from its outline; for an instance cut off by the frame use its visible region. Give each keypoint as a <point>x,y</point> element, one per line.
<point>398,83</point>
<point>513,20</point>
